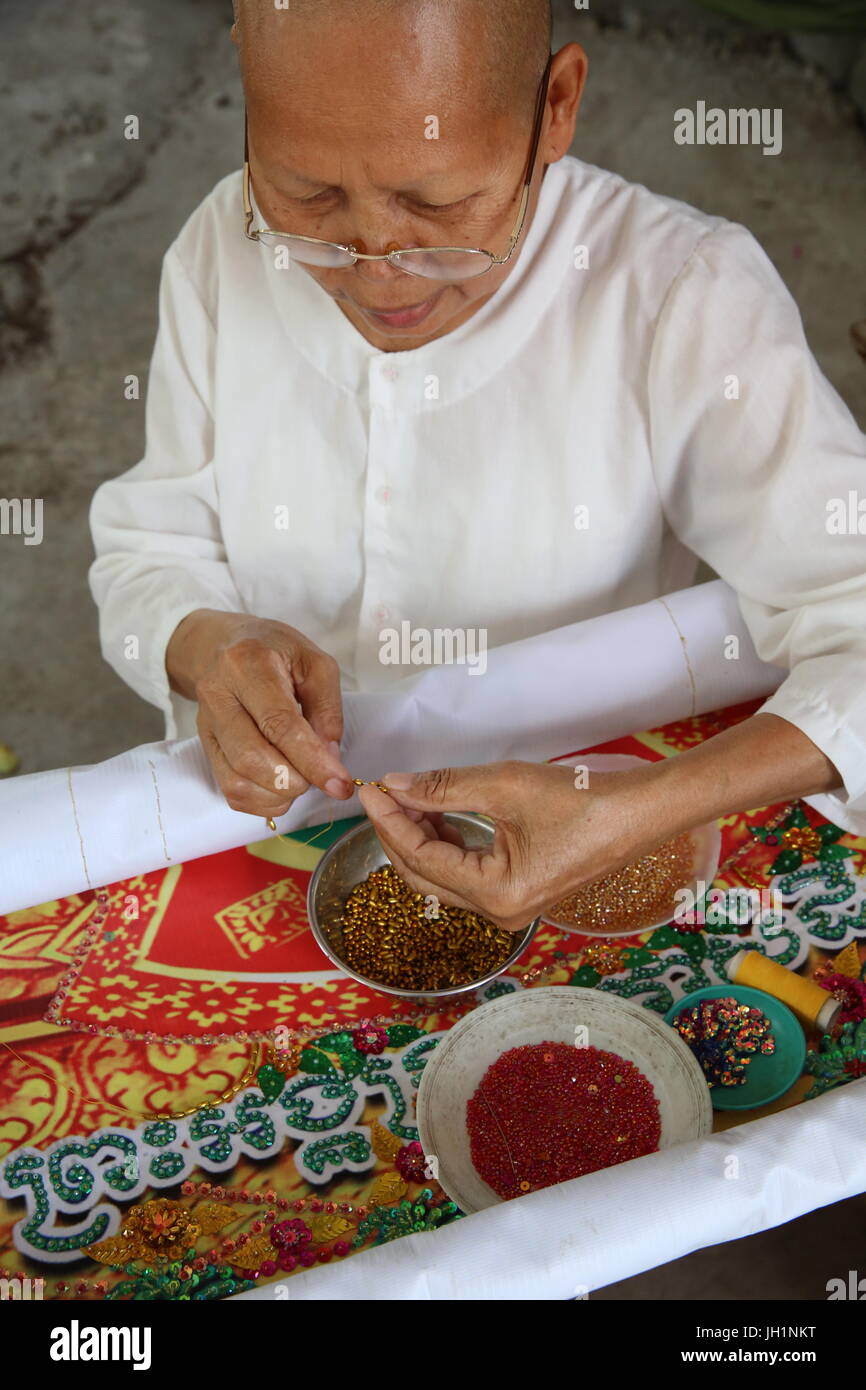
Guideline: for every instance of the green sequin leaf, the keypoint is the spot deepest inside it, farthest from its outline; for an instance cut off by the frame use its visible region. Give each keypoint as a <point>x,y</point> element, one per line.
<point>586,977</point>
<point>786,861</point>
<point>352,1063</point>
<point>270,1081</point>
<point>664,937</point>
<point>694,949</point>
<point>315,1061</point>
<point>637,955</point>
<point>399,1034</point>
<point>830,832</point>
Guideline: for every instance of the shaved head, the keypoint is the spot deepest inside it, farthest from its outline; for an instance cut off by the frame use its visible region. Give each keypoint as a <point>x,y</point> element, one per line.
<point>504,43</point>
<point>397,124</point>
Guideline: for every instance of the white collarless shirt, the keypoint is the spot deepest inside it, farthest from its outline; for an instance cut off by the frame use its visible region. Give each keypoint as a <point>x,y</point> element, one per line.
<point>637,394</point>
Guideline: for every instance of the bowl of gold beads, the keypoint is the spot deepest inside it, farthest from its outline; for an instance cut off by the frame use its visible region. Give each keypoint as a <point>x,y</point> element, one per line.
<point>651,890</point>
<point>376,928</point>
<point>748,1044</point>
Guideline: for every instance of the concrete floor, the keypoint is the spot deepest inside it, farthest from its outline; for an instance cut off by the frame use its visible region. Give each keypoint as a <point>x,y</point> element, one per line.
<point>86,215</point>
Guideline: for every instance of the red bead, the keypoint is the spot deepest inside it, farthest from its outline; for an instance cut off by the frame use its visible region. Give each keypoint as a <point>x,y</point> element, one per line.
<point>308,1257</point>
<point>546,1113</point>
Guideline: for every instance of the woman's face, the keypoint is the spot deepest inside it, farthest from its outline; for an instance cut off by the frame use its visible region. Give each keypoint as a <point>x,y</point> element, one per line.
<point>360,146</point>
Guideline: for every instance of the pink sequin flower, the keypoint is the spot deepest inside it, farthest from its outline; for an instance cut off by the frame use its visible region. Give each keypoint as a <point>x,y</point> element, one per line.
<point>290,1235</point>
<point>411,1162</point>
<point>851,993</point>
<point>369,1039</point>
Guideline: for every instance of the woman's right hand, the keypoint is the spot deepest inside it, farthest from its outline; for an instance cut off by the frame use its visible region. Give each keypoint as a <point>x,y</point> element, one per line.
<point>270,712</point>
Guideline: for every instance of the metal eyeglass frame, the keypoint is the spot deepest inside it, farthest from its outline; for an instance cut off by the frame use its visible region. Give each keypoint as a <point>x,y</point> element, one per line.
<point>255,234</point>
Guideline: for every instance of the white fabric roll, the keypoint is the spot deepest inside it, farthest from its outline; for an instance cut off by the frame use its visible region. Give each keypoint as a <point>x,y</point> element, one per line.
<point>565,1241</point>
<point>75,828</point>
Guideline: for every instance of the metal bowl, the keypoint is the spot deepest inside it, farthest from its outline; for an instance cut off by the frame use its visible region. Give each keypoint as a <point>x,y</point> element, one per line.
<point>348,862</point>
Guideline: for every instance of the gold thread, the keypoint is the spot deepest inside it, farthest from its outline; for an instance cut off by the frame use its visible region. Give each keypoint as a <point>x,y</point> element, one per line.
<point>159,810</point>
<point>685,658</point>
<point>77,826</point>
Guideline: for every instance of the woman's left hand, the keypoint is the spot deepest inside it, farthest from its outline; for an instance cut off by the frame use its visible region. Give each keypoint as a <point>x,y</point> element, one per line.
<point>554,831</point>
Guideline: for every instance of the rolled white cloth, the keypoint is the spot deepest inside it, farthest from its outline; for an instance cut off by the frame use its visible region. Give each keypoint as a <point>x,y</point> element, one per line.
<point>567,1240</point>
<point>75,828</point>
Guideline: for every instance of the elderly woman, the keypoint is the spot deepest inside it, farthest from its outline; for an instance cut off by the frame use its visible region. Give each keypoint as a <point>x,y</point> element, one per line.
<point>417,363</point>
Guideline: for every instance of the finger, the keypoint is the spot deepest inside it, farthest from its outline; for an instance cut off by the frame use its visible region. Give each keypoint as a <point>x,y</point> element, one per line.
<point>317,686</point>
<point>421,885</point>
<point>248,754</point>
<point>448,899</point>
<point>490,788</point>
<point>444,829</point>
<point>278,715</point>
<point>442,863</point>
<point>239,792</point>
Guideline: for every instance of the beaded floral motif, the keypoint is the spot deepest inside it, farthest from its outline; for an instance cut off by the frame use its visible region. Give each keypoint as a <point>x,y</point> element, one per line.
<point>671,964</point>
<point>838,1060</point>
<point>320,1110</point>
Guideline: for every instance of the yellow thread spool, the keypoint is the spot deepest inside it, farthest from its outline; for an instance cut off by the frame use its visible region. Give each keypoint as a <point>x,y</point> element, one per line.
<point>814,1007</point>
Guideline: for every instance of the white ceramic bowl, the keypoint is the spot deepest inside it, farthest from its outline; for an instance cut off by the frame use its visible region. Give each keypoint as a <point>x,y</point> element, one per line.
<point>550,1014</point>
<point>707,841</point>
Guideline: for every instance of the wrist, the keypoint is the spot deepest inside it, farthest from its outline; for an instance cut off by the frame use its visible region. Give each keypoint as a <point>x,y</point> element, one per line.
<point>643,806</point>
<point>191,647</point>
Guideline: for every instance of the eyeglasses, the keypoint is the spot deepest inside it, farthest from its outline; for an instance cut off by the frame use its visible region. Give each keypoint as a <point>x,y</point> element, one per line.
<point>430,262</point>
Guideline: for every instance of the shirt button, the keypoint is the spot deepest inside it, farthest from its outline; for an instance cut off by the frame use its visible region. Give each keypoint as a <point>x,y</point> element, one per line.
<point>382,614</point>
<point>383,495</point>
<point>390,374</point>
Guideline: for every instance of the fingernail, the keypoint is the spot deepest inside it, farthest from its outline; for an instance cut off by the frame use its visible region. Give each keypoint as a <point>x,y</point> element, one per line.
<point>413,815</point>
<point>335,748</point>
<point>335,787</point>
<point>400,781</point>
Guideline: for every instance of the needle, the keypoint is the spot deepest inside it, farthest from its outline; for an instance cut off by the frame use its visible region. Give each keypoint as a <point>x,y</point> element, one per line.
<point>357,781</point>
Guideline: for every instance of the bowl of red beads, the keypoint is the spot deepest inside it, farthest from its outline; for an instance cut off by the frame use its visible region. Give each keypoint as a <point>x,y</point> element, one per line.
<point>545,1085</point>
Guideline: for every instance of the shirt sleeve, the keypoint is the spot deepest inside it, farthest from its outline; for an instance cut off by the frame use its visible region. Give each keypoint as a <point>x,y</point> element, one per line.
<point>156,528</point>
<point>761,471</point>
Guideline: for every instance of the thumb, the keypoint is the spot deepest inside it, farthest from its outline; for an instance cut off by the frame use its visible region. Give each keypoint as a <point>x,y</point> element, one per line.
<point>445,788</point>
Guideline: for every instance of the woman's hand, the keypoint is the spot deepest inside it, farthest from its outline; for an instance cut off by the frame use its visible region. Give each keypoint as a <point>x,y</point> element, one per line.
<point>551,835</point>
<point>270,711</point>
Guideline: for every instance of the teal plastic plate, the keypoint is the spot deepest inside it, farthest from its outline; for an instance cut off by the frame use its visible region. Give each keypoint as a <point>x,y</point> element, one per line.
<point>770,1076</point>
